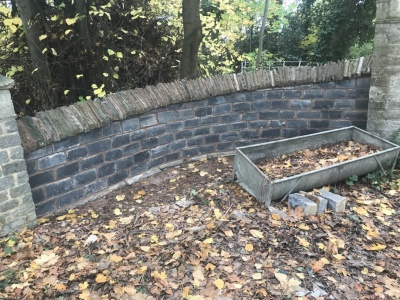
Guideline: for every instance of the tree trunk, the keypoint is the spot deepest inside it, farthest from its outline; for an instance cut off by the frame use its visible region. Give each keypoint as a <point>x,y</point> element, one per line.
<point>191,38</point>
<point>30,14</point>
<point>83,24</point>
<point>261,37</point>
<point>384,95</point>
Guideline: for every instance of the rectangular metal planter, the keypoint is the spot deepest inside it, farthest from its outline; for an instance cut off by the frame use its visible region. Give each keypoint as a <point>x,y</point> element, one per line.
<point>259,185</point>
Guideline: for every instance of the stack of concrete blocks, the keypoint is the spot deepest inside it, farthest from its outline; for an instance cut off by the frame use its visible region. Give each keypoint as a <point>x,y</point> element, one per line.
<point>318,202</point>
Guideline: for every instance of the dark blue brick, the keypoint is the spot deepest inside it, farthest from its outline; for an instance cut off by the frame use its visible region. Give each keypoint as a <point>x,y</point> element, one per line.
<point>40,153</point>
<point>178,106</point>
<point>250,134</point>
<point>338,123</point>
<point>92,161</point>
<point>233,98</point>
<point>271,133</point>
<point>149,143</point>
<point>95,187</point>
<point>250,116</point>
<point>124,163</point>
<point>261,105</point>
<point>287,114</point>
<point>335,94</point>
<point>37,195</point>
<point>195,141</point>
<point>190,152</point>
<point>319,123</point>
<point>166,116</point>
<point>84,177</point>
<point>138,135</point>
<point>175,126</point>
<point>148,120</point>
<point>296,124</point>
<point>300,104</point>
<point>31,166</point>
<point>280,104</point>
<point>200,103</point>
<point>225,146</point>
<point>313,94</point>
<point>58,187</point>
<point>117,177</point>
<point>130,124</point>
<point>106,170</point>
<point>132,148</point>
<point>77,153</point>
<point>212,138</point>
<point>355,115</point>
<point>112,129</point>
<point>206,149</point>
<point>216,100</point>
<point>219,128</point>
<point>309,131</point>
<point>156,162</point>
<point>99,146</point>
<point>229,136</point>
<point>243,143</point>
<point>269,115</point>
<point>139,169</point>
<point>273,94</point>
<point>70,197</point>
<point>67,170</point>
<point>203,111</point>
<point>308,115</point>
<point>331,114</point>
<point>289,133</point>
<point>230,118</point>
<point>361,104</point>
<point>160,150</point>
<point>120,140</point>
<point>359,93</point>
<point>92,135</point>
<point>344,104</point>
<point>42,178</point>
<point>201,131</point>
<point>45,208</point>
<point>178,145</point>
<point>241,107</point>
<point>192,123</point>
<point>363,83</point>
<point>254,96</point>
<point>141,157</point>
<point>346,83</point>
<point>239,125</point>
<point>67,143</point>
<point>222,109</point>
<point>156,130</point>
<point>166,139</point>
<point>258,124</point>
<point>185,134</point>
<point>184,114</point>
<point>113,154</point>
<point>359,124</point>
<point>277,123</point>
<point>290,94</point>
<point>52,161</point>
<point>209,120</point>
<point>172,156</point>
<point>323,104</point>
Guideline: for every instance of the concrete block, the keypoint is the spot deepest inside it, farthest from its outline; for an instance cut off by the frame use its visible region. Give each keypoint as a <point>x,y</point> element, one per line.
<point>309,207</point>
<point>321,202</point>
<point>282,214</point>
<point>336,203</point>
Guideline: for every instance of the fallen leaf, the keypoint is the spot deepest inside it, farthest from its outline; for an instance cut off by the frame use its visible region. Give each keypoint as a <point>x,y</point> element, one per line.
<point>256,233</point>
<point>100,278</point>
<point>249,247</point>
<point>303,242</point>
<point>219,283</point>
<point>117,212</point>
<point>120,197</point>
<point>256,276</point>
<point>375,247</point>
<point>116,258</point>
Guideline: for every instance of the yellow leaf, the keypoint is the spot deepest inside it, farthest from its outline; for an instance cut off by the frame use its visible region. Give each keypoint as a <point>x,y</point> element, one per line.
<point>303,226</point>
<point>169,226</point>
<point>303,242</point>
<point>339,256</point>
<point>219,283</point>
<point>228,233</point>
<point>361,211</point>
<point>249,247</point>
<point>100,278</point>
<point>70,21</point>
<point>256,233</point>
<point>208,241</point>
<point>256,276</point>
<point>60,287</point>
<point>379,269</point>
<point>158,275</point>
<point>68,31</point>
<point>145,248</point>
<point>116,258</point>
<point>185,292</point>
<point>203,173</point>
<point>217,214</point>
<point>117,212</point>
<point>42,37</point>
<point>85,295</point>
<point>79,75</point>
<point>71,277</point>
<point>364,271</point>
<point>83,286</point>
<point>375,247</point>
<point>125,220</point>
<point>120,197</point>
<point>210,267</point>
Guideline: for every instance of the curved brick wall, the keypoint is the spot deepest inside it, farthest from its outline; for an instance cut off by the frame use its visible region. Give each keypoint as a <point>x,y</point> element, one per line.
<point>88,163</point>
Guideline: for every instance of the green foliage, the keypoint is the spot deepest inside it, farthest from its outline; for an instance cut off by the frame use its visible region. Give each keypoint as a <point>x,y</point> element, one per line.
<point>357,50</point>
<point>351,180</point>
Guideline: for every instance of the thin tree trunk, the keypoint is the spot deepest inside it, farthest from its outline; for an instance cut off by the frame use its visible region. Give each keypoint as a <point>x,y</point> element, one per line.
<point>191,38</point>
<point>261,37</point>
<point>83,25</point>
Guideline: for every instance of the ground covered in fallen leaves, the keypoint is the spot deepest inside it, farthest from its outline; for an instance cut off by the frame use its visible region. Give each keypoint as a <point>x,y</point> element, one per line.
<point>189,232</point>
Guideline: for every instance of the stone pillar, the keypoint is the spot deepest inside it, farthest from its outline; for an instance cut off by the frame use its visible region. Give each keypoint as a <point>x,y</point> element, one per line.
<point>17,209</point>
<point>384,95</point>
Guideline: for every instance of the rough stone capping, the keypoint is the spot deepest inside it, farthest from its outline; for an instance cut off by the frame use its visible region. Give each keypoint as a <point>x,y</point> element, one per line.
<point>16,205</point>
<point>54,125</point>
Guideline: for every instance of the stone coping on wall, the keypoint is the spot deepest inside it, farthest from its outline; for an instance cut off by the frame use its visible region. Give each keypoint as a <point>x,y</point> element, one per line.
<point>54,125</point>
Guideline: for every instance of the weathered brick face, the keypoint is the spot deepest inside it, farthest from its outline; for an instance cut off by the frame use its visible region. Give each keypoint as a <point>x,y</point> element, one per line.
<point>86,164</point>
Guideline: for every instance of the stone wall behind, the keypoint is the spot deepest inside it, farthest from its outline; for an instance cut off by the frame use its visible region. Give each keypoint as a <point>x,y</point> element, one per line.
<point>87,164</point>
